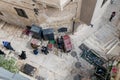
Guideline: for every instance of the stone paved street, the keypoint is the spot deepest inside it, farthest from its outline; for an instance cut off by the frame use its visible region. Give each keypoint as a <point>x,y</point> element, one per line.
<point>101,37</point>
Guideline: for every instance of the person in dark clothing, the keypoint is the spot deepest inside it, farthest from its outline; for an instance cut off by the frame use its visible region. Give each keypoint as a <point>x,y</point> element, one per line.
<point>35,51</point>
<point>112,16</point>
<point>23,55</point>
<point>44,50</point>
<point>2,53</point>
<point>91,25</point>
<point>60,42</point>
<point>7,45</point>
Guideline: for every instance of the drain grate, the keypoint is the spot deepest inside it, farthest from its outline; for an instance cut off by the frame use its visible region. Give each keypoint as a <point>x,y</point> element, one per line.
<point>77,77</point>
<point>77,65</point>
<point>39,78</point>
<point>73,54</point>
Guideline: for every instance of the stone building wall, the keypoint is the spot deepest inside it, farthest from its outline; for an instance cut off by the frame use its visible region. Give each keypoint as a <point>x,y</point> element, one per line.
<point>54,3</point>
<point>7,8</point>
<point>100,8</point>
<point>56,14</point>
<point>36,13</point>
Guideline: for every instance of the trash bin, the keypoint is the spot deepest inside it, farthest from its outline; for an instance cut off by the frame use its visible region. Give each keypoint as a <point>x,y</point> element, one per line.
<point>37,32</point>
<point>48,34</point>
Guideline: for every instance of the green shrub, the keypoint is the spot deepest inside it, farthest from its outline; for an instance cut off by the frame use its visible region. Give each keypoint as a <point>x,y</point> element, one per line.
<point>8,64</point>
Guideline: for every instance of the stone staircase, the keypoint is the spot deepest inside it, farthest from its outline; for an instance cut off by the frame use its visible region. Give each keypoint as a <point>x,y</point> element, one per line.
<point>103,40</point>
<point>107,35</point>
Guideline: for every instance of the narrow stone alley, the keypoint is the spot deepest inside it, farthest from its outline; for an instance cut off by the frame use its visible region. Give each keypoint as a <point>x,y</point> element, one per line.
<point>62,66</point>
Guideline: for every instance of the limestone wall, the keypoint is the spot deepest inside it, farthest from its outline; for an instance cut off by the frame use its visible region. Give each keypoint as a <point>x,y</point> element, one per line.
<point>55,3</point>
<point>41,12</point>
<point>10,15</point>
<point>87,10</point>
<point>99,10</point>
<point>92,10</point>
<point>36,13</point>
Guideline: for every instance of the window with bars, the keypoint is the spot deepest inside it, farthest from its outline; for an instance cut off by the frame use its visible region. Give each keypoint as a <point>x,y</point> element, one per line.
<point>21,12</point>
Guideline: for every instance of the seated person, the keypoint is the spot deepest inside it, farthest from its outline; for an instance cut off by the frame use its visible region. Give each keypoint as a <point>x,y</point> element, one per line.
<point>7,45</point>
<point>23,55</point>
<point>60,43</point>
<point>45,50</point>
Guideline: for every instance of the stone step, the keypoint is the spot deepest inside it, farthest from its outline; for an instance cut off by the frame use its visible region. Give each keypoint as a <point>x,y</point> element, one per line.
<point>2,23</point>
<point>112,44</point>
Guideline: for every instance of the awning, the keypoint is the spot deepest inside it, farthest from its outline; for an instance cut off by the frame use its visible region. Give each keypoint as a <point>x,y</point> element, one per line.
<point>62,29</point>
